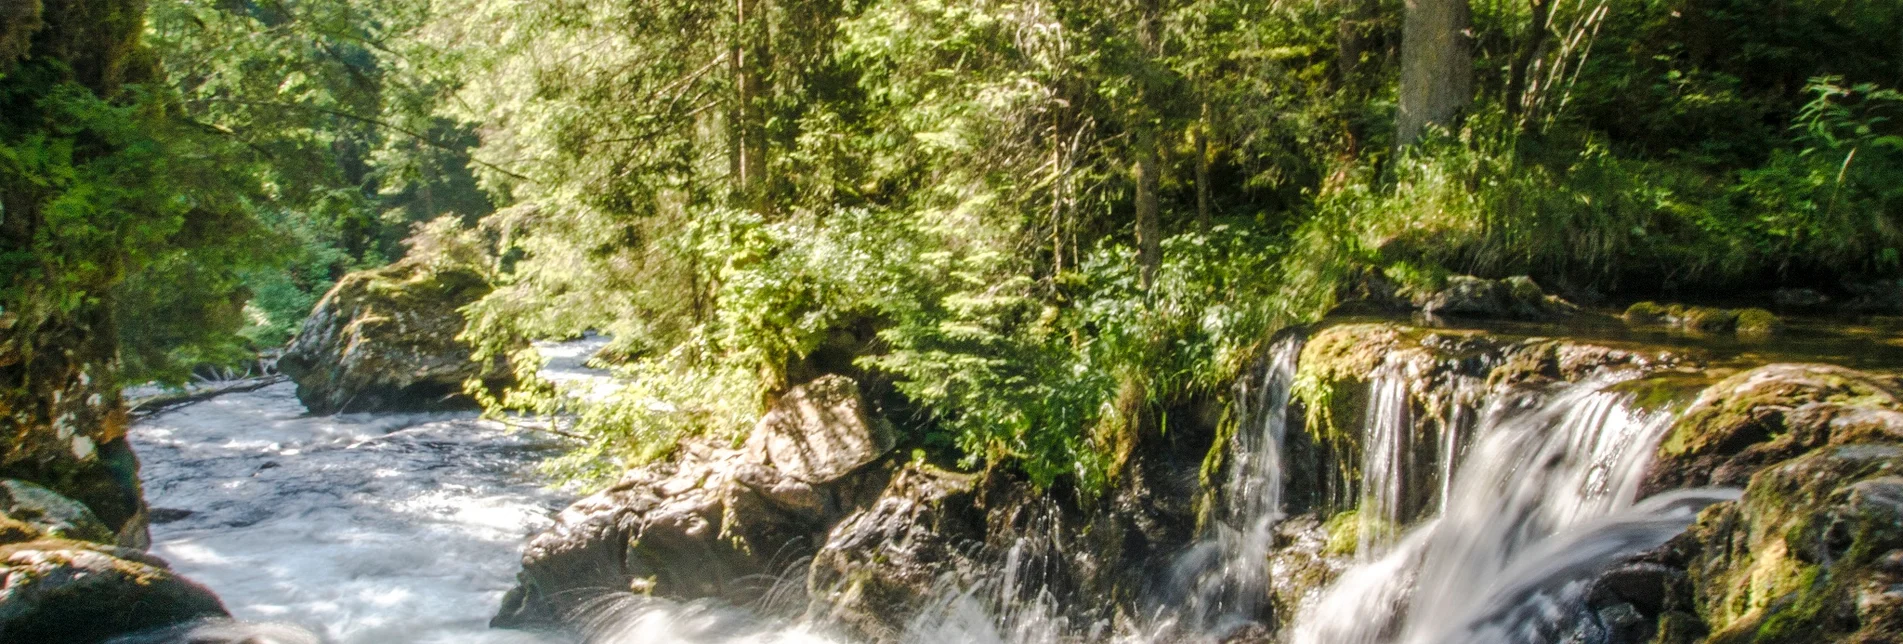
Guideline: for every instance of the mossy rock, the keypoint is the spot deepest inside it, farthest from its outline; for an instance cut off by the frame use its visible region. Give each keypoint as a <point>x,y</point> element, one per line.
<point>1809,554</point>
<point>1702,319</point>
<point>50,514</point>
<point>1769,414</point>
<point>386,340</point>
<point>1758,323</point>
<point>1646,313</point>
<point>55,591</point>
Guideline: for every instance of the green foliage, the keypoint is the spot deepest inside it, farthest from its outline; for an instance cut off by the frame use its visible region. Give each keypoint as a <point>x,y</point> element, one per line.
<point>939,196</point>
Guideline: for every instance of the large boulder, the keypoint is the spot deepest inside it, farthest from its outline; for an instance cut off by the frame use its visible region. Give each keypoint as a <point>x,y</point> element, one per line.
<point>1813,553</point>
<point>885,562</point>
<point>55,591</point>
<point>1766,415</point>
<point>711,522</point>
<point>385,339</point>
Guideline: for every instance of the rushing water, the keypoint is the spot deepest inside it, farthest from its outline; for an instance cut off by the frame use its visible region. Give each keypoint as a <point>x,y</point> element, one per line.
<point>1221,584</point>
<point>1554,468</point>
<point>363,528</point>
<point>376,528</point>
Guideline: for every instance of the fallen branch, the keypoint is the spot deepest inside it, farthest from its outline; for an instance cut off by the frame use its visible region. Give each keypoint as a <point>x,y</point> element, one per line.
<point>153,405</point>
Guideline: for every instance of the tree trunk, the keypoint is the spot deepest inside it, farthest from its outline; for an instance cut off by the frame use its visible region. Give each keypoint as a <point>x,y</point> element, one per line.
<point>1436,67</point>
<point>1529,51</point>
<point>61,414</point>
<point>748,130</point>
<point>1202,171</point>
<point>1149,246</point>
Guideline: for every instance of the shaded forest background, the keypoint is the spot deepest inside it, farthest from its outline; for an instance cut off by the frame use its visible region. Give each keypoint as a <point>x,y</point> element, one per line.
<point>1032,224</point>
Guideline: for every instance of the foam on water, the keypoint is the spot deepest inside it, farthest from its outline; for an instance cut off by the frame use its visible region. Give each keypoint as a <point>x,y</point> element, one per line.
<point>365,528</point>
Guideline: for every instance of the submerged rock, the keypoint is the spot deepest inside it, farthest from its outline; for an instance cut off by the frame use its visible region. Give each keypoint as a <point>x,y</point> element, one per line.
<point>385,340</point>
<point>712,522</point>
<point>55,591</point>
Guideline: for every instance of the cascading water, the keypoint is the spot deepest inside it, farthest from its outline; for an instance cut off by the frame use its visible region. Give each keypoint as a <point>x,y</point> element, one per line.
<point>1545,468</point>
<point>1221,584</point>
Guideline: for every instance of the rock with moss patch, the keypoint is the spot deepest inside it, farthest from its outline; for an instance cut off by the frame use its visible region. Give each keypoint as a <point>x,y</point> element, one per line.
<point>50,514</point>
<point>386,340</point>
<point>1748,324</point>
<point>1766,415</point>
<point>1813,553</point>
<point>55,591</point>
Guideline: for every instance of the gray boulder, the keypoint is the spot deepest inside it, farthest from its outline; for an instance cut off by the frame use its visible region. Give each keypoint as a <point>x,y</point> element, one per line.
<point>55,591</point>
<point>385,340</point>
<point>712,522</point>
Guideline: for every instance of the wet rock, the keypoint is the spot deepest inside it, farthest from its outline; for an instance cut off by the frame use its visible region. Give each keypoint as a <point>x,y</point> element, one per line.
<point>1807,555</point>
<point>385,340</point>
<point>50,514</point>
<point>1767,415</point>
<point>1798,299</point>
<point>1747,324</point>
<point>819,432</point>
<point>54,591</point>
<point>882,564</point>
<point>1305,561</point>
<point>719,523</point>
<point>1515,297</point>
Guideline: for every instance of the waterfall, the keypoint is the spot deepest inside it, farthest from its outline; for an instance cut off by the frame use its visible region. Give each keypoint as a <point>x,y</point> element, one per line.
<point>1545,466</point>
<point>1221,584</point>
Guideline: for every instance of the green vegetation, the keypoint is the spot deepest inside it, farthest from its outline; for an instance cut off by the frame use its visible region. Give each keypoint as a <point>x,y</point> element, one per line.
<point>1036,224</point>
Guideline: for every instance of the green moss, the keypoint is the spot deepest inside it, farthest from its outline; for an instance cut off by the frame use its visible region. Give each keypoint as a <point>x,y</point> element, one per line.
<point>1344,534</point>
<point>1757,323</point>
<point>1702,319</point>
<point>1646,313</point>
<point>1729,415</point>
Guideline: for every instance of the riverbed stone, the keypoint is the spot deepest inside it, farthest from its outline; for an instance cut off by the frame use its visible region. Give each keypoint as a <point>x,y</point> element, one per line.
<point>56,591</point>
<point>386,339</point>
<point>711,522</point>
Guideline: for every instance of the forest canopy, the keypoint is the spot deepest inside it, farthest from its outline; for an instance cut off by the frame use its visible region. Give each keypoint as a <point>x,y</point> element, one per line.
<point>1027,225</point>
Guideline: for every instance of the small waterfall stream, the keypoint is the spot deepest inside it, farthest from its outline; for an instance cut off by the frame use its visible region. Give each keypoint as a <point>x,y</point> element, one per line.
<point>1221,584</point>
<point>1548,468</point>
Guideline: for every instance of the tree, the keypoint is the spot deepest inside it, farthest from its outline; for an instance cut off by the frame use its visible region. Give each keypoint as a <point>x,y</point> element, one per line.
<point>1436,66</point>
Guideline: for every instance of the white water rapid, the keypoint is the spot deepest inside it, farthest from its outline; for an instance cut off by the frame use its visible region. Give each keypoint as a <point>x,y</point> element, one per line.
<point>1542,501</point>
<point>362,528</point>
